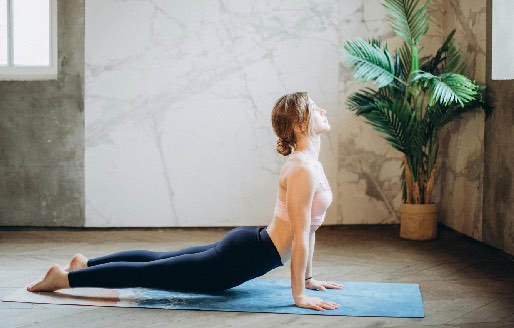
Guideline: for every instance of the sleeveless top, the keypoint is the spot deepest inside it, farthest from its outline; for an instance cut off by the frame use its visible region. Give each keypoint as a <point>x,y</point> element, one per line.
<point>320,201</point>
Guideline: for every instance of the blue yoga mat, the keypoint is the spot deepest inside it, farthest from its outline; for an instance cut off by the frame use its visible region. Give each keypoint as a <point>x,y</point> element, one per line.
<point>369,299</point>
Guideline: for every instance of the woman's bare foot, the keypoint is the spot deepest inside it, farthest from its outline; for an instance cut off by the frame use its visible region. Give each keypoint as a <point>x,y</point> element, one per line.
<point>56,278</point>
<point>79,261</point>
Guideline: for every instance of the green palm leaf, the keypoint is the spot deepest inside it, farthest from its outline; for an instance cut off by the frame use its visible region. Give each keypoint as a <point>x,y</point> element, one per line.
<point>395,120</point>
<point>406,58</point>
<point>448,88</point>
<point>446,59</point>
<point>367,100</point>
<point>369,61</point>
<point>439,116</point>
<point>362,102</point>
<point>412,105</point>
<point>409,23</point>
<point>453,63</point>
<point>432,64</point>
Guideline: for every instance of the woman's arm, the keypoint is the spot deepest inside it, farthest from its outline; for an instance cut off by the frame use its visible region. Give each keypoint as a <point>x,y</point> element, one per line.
<point>300,190</point>
<point>299,193</point>
<point>312,242</point>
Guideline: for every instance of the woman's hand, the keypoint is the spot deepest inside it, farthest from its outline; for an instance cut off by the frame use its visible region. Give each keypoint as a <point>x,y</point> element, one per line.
<point>315,303</point>
<point>321,285</point>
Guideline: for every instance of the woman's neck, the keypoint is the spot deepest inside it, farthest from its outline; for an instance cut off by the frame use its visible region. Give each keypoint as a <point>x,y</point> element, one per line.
<point>309,146</point>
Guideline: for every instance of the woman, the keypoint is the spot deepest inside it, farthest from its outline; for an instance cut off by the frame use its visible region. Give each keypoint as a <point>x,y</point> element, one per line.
<point>243,253</point>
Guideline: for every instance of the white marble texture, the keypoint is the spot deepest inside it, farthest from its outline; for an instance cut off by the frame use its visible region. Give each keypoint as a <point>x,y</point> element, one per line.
<point>369,190</point>
<point>178,101</point>
<point>178,111</point>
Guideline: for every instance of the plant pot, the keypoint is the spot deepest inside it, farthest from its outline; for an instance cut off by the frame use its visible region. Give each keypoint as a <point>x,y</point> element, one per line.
<point>418,221</point>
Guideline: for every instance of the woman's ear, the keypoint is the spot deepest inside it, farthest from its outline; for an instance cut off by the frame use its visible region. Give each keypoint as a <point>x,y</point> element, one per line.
<point>299,128</point>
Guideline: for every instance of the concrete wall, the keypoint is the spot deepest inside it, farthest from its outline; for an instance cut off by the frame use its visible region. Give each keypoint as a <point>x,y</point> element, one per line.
<point>42,137</point>
<point>498,227</point>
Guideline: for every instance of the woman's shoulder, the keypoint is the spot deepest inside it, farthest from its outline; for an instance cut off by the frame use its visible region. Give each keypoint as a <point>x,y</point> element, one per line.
<point>300,170</point>
<point>296,163</point>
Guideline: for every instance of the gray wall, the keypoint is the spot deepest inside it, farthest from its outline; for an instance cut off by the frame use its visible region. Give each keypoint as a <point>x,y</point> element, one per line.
<point>498,224</point>
<point>42,137</point>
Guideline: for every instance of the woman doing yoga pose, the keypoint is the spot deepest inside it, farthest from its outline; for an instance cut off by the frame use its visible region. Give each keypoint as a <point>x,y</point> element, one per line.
<point>243,253</point>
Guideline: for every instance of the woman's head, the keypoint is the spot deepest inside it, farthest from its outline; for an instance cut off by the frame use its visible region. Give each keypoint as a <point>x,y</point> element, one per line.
<point>292,119</point>
<point>291,111</point>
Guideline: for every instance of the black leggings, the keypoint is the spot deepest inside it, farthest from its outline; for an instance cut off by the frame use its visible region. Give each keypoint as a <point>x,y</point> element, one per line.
<point>242,254</point>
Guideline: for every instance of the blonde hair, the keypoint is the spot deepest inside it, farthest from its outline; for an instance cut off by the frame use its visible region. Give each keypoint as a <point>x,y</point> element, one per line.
<point>289,111</point>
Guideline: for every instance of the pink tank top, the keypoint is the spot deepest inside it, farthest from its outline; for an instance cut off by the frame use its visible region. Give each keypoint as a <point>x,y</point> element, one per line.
<point>320,201</point>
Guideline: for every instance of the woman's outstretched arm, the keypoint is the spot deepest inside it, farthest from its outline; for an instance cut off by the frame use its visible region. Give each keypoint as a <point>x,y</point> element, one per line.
<point>300,190</point>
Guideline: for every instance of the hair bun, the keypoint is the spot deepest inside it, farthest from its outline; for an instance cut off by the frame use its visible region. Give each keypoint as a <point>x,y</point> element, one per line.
<point>284,147</point>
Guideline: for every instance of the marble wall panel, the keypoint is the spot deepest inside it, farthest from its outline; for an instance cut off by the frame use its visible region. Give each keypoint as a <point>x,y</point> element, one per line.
<point>459,184</point>
<point>178,106</point>
<point>369,169</point>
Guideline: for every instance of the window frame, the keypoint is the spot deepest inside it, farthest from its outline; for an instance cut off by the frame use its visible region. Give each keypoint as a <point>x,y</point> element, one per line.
<point>31,73</point>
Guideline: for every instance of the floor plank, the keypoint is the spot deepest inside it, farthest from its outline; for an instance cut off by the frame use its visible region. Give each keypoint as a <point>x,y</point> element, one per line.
<point>463,282</point>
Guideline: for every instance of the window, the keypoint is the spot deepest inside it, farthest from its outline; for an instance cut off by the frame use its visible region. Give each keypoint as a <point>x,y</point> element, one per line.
<point>28,39</point>
<point>502,67</point>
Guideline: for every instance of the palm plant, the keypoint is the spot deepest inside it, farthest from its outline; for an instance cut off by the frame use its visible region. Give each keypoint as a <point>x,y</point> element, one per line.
<point>416,97</point>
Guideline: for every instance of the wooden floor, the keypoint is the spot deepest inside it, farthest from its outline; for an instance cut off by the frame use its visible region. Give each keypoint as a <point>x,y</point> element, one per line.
<point>463,282</point>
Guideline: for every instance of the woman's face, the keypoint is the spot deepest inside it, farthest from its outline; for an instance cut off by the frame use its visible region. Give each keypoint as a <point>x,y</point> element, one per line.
<point>319,119</point>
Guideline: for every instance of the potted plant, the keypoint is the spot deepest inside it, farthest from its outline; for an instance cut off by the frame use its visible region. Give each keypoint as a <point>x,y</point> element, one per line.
<point>414,99</point>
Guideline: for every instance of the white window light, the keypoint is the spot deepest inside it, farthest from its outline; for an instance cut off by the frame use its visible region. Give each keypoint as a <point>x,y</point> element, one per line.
<point>28,39</point>
<point>502,67</point>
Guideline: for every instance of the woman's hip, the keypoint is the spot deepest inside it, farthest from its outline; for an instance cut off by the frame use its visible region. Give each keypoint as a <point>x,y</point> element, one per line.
<point>248,241</point>
<point>248,252</point>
